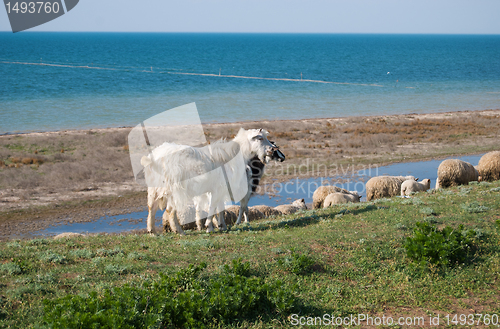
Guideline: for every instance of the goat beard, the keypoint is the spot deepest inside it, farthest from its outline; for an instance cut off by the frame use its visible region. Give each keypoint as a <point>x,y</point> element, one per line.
<point>263,158</point>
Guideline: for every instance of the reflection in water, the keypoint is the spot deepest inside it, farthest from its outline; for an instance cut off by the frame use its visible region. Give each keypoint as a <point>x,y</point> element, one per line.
<point>283,193</point>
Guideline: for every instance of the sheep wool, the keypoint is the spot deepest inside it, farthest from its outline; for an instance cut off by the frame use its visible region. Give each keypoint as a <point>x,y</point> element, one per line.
<point>339,198</point>
<point>453,172</point>
<point>287,209</point>
<point>410,186</point>
<point>322,192</point>
<point>385,186</point>
<point>489,166</point>
<point>266,210</point>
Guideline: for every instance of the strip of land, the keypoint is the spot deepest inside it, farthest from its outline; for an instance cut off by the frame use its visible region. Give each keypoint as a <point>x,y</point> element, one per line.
<point>85,174</point>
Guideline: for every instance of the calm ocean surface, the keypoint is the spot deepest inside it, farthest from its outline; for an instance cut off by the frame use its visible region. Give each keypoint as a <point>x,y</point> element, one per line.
<point>119,79</point>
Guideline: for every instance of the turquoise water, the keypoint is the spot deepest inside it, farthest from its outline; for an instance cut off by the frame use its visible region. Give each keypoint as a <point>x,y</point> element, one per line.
<point>54,81</point>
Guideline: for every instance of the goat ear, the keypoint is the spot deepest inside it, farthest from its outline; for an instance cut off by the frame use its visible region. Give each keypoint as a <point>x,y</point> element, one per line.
<point>302,200</point>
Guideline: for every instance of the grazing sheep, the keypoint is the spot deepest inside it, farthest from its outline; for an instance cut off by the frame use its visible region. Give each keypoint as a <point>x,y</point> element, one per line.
<point>338,198</point>
<point>453,172</point>
<point>410,186</point>
<point>489,166</point>
<point>385,186</point>
<point>267,211</point>
<point>287,209</point>
<point>253,213</point>
<point>178,174</point>
<point>67,235</point>
<point>322,192</point>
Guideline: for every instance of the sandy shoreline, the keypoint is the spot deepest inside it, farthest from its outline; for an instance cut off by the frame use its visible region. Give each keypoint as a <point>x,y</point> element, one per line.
<point>87,172</point>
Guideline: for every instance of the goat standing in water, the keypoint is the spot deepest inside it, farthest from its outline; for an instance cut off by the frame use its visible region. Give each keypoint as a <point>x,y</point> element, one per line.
<point>178,174</point>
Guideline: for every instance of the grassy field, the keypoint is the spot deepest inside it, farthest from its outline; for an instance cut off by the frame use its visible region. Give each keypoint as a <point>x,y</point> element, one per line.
<point>342,261</point>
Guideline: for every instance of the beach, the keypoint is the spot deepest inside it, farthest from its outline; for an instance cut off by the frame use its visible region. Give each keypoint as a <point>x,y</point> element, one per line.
<point>82,175</point>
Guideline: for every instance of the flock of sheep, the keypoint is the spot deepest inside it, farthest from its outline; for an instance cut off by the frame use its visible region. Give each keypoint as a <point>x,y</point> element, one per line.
<point>170,189</point>
<point>451,172</point>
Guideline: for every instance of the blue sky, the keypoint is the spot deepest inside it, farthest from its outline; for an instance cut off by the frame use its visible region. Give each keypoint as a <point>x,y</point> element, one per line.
<point>311,16</point>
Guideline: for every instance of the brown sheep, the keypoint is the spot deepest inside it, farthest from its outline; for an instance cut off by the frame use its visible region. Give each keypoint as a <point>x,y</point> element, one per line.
<point>489,166</point>
<point>253,213</point>
<point>322,192</point>
<point>266,210</point>
<point>453,172</point>
<point>385,186</point>
<point>339,198</point>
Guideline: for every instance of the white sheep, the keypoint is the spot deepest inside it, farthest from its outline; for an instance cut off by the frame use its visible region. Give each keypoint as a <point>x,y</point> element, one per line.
<point>287,209</point>
<point>385,186</point>
<point>339,198</point>
<point>322,192</point>
<point>453,172</point>
<point>410,186</point>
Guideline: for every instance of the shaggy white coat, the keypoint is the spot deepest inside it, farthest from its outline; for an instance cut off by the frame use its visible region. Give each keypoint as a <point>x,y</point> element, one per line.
<point>177,175</point>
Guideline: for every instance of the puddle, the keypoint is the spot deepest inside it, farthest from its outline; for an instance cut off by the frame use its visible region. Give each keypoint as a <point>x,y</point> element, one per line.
<point>282,193</point>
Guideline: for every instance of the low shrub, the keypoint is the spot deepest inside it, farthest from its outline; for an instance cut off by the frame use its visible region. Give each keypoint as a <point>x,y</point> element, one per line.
<point>474,207</point>
<point>448,246</point>
<point>82,253</point>
<point>297,263</point>
<point>427,211</point>
<point>181,300</point>
<point>117,269</point>
<point>51,257</point>
<point>10,268</point>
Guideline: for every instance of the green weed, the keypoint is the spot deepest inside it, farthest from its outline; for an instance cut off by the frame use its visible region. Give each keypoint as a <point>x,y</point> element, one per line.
<point>448,246</point>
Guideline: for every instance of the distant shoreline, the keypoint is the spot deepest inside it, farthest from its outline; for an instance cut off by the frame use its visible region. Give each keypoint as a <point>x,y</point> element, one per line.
<point>208,124</point>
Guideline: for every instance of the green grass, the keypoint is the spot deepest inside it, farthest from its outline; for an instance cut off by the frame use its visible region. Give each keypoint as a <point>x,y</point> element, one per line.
<point>340,261</point>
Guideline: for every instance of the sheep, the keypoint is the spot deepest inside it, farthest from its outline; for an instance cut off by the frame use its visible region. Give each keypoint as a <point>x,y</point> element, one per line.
<point>266,210</point>
<point>489,166</point>
<point>385,186</point>
<point>322,192</point>
<point>255,170</point>
<point>409,186</point>
<point>179,174</point>
<point>67,235</point>
<point>453,172</point>
<point>338,198</point>
<point>287,209</point>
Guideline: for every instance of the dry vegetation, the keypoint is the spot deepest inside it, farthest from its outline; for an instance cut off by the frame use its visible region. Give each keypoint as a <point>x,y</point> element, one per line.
<point>73,161</point>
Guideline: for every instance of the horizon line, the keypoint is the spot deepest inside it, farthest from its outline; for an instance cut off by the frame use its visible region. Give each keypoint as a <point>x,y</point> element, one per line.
<point>215,32</point>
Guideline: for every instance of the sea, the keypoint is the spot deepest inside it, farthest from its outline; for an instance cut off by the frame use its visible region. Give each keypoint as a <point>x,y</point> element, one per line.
<point>56,81</point>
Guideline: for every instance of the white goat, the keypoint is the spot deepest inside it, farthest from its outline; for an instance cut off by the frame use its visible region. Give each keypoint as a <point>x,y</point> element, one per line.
<point>178,174</point>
